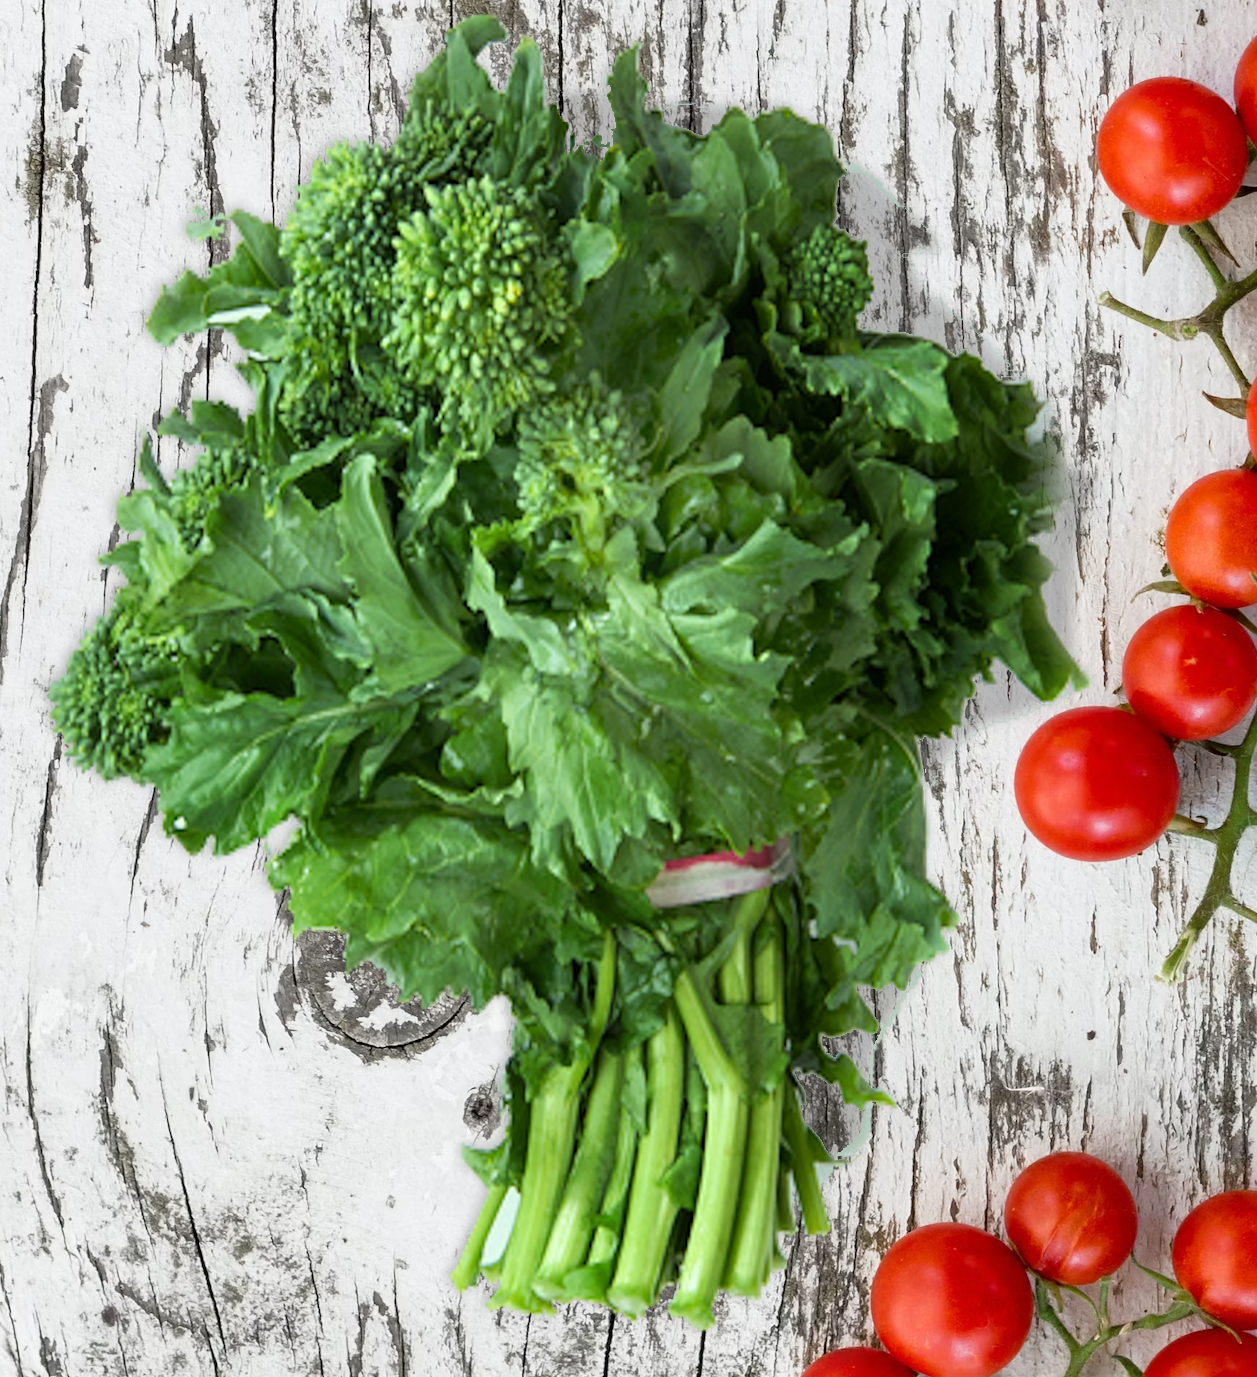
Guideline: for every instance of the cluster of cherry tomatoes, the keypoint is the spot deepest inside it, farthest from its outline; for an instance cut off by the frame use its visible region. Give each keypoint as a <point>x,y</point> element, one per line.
<point>1100,783</point>
<point>949,1300</point>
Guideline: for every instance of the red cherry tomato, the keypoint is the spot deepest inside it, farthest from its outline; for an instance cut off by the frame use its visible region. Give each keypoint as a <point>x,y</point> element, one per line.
<point>1246,90</point>
<point>1215,1257</point>
<point>1252,411</point>
<point>1071,1217</point>
<point>1096,784</point>
<point>1211,538</point>
<point>1172,150</point>
<point>1191,672</point>
<point>949,1300</point>
<point>857,1362</point>
<point>1209,1353</point>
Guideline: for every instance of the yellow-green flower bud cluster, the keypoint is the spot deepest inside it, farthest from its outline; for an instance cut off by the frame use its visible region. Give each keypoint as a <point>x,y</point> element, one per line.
<point>479,289</point>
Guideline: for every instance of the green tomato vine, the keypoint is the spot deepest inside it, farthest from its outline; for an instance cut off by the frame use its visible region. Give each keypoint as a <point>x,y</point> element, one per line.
<point>1208,246</point>
<point>1107,1329</point>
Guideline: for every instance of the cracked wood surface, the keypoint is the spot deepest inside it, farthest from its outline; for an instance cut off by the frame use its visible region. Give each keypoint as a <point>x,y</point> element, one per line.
<point>217,1152</point>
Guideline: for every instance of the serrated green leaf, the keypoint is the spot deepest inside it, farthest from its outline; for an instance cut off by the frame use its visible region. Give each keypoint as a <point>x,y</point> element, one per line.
<point>237,765</point>
<point>899,379</point>
<point>866,869</point>
<point>579,777</point>
<point>411,626</point>
<point>437,901</point>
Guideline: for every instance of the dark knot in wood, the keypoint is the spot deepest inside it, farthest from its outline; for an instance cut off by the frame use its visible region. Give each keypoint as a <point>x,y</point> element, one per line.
<point>360,1008</point>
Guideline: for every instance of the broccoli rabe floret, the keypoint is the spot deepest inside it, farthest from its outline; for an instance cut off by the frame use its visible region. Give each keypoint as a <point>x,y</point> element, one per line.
<point>481,290</point>
<point>340,244</point>
<point>581,457</point>
<point>829,283</point>
<point>193,492</point>
<point>111,702</point>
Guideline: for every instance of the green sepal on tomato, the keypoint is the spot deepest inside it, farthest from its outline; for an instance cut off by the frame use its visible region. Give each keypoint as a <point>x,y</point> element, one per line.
<point>1215,1257</point>
<point>1211,538</point>
<point>1071,1218</point>
<point>1191,672</point>
<point>950,1300</point>
<point>1151,150</point>
<point>1209,1353</point>
<point>1096,784</point>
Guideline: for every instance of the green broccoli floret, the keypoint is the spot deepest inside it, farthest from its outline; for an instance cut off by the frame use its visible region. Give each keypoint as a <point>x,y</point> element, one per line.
<point>340,244</point>
<point>480,290</point>
<point>111,702</point>
<point>829,284</point>
<point>193,492</point>
<point>581,457</point>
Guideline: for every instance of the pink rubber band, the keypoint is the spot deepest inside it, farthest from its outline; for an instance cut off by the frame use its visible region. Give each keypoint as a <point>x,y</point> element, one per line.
<point>720,875</point>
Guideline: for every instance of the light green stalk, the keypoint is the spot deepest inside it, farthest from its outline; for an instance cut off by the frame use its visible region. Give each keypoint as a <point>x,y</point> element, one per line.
<point>728,1119</point>
<point>574,1223</point>
<point>652,1209</point>
<point>552,1121</point>
<point>590,1282</point>
<point>815,1215</point>
<point>754,1234</point>
<point>468,1269</point>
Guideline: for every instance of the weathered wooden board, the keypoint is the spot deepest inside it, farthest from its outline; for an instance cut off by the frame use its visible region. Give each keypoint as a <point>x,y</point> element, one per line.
<point>218,1154</point>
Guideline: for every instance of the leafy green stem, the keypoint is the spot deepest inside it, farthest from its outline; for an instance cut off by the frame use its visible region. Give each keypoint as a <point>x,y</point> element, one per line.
<point>811,1202</point>
<point>652,1208</point>
<point>468,1269</point>
<point>575,1219</point>
<point>606,1240</point>
<point>750,1252</point>
<point>728,1121</point>
<point>555,1111</point>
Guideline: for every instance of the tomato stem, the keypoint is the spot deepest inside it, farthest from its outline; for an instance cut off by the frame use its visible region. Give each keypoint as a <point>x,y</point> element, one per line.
<point>1191,235</point>
<point>1163,327</point>
<point>1081,1353</point>
<point>1240,817</point>
<point>1189,827</point>
<point>1243,910</point>
<point>1209,321</point>
<point>1207,232</point>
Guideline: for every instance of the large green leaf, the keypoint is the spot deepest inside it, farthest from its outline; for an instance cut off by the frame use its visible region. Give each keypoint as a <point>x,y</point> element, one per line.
<point>412,627</point>
<point>865,869</point>
<point>438,901</point>
<point>899,379</point>
<point>236,764</point>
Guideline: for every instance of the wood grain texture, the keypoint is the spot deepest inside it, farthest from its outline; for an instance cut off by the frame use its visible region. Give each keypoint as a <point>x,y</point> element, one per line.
<point>203,1170</point>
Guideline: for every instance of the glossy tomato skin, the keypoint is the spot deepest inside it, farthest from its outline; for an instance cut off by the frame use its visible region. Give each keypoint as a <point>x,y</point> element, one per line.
<point>857,1362</point>
<point>1211,538</point>
<point>949,1300</point>
<point>1071,1217</point>
<point>1209,1353</point>
<point>1172,150</point>
<point>1246,90</point>
<point>1252,411</point>
<point>1096,784</point>
<point>1215,1257</point>
<point>1191,672</point>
